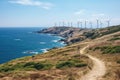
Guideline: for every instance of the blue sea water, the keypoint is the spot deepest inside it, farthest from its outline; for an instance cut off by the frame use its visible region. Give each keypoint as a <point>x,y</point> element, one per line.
<point>19,42</point>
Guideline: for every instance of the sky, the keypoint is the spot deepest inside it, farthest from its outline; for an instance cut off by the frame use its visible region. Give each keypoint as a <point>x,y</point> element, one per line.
<point>44,13</point>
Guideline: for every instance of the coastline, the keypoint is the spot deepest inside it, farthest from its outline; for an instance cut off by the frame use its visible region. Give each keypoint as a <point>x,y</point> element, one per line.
<point>25,45</point>
<point>69,57</point>
<point>68,34</point>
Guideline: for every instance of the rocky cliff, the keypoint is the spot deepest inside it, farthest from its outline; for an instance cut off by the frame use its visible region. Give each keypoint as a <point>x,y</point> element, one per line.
<point>70,34</point>
<point>73,35</point>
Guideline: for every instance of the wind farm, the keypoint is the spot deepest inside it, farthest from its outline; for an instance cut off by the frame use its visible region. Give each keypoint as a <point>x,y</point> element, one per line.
<point>84,24</point>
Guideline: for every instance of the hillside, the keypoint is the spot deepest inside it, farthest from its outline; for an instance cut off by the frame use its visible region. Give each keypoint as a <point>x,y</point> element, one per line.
<point>70,34</point>
<point>68,63</point>
<point>73,35</point>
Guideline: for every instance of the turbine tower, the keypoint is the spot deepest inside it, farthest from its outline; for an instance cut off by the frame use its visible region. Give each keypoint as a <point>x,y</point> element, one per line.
<point>81,24</point>
<point>97,23</point>
<point>63,23</point>
<point>78,24</point>
<point>108,22</point>
<point>68,24</point>
<point>85,24</point>
<point>91,25</point>
<point>71,24</point>
<point>55,24</point>
<point>101,24</point>
<point>59,24</point>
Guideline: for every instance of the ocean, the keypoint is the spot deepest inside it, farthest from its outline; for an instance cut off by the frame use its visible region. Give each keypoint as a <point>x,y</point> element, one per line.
<point>20,42</point>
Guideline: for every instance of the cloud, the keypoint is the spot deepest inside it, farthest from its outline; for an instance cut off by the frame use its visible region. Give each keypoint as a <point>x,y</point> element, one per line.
<point>81,12</point>
<point>45,5</point>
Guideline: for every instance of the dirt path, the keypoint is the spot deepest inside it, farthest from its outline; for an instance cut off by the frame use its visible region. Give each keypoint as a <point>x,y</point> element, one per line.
<point>98,69</point>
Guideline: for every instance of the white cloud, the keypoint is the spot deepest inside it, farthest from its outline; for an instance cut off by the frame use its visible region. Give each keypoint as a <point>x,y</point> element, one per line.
<point>37,3</point>
<point>81,12</point>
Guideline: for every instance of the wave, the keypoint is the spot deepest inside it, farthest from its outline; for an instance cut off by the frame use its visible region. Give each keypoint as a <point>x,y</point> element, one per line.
<point>62,42</point>
<point>44,50</point>
<point>30,52</point>
<point>55,41</point>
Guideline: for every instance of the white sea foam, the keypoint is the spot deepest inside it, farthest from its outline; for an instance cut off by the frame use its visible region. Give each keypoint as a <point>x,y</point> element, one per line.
<point>34,52</point>
<point>44,50</point>
<point>30,52</point>
<point>62,42</point>
<point>55,41</point>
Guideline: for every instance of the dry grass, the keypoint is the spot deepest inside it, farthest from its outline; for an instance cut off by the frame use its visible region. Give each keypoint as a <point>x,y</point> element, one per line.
<point>117,75</point>
<point>54,56</point>
<point>67,53</point>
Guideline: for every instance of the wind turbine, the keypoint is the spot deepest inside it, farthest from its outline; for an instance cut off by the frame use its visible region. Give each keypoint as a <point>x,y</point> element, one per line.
<point>68,24</point>
<point>59,24</point>
<point>108,22</point>
<point>71,24</point>
<point>81,24</point>
<point>97,23</point>
<point>63,23</point>
<point>55,25</point>
<point>85,24</point>
<point>101,24</point>
<point>91,25</point>
<point>78,24</point>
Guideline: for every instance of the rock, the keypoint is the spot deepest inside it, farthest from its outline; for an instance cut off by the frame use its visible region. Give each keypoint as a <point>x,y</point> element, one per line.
<point>70,34</point>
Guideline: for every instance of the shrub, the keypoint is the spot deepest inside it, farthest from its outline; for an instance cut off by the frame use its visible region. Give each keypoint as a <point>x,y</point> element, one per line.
<point>89,34</point>
<point>109,49</point>
<point>48,66</point>
<point>112,30</point>
<point>6,69</point>
<point>65,64</point>
<point>113,39</point>
<point>81,65</point>
<point>118,61</point>
<point>18,66</point>
<point>25,66</point>
<point>30,64</point>
<point>71,63</point>
<point>39,66</point>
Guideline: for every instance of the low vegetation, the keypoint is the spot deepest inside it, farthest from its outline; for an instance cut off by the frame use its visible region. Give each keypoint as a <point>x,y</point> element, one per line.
<point>101,32</point>
<point>109,49</point>
<point>66,63</point>
<point>25,66</point>
<point>70,63</point>
<point>32,66</point>
<point>115,38</point>
<point>118,61</point>
<point>112,29</point>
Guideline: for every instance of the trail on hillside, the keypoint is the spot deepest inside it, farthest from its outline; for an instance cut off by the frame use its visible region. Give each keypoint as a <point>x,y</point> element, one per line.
<point>98,69</point>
